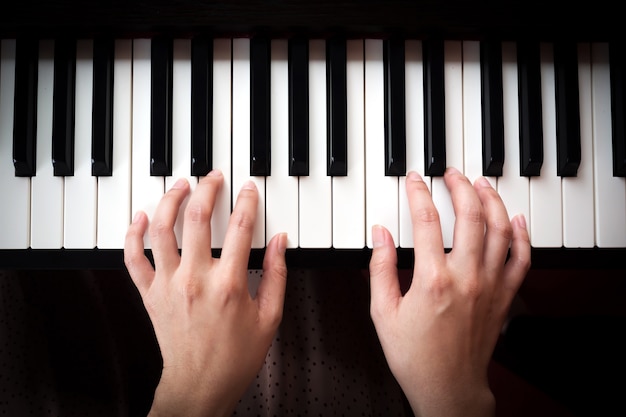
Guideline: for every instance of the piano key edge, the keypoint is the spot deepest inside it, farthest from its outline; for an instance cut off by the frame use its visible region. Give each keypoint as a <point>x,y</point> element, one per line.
<point>72,259</point>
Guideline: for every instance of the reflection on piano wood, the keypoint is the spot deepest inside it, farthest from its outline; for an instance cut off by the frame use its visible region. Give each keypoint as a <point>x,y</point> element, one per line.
<point>97,121</point>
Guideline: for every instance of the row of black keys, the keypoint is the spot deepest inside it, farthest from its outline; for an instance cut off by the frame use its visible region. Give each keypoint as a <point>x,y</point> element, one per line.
<point>531,137</point>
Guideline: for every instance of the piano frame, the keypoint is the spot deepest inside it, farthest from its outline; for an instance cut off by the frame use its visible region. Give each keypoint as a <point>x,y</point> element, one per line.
<point>417,19</point>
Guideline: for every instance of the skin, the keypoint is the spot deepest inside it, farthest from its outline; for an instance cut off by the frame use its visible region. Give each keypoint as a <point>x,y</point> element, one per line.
<point>438,337</point>
<point>213,335</point>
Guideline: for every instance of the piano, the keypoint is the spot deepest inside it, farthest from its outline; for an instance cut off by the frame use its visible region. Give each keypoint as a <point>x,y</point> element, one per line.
<point>325,105</point>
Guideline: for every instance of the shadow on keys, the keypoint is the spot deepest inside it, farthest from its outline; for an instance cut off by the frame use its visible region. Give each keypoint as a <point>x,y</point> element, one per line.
<point>80,343</point>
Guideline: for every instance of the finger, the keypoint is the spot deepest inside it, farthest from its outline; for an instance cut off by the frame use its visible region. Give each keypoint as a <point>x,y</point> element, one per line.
<point>518,264</point>
<point>499,230</point>
<point>384,284</point>
<point>162,237</point>
<point>238,239</point>
<point>427,238</point>
<point>469,226</point>
<point>138,266</point>
<point>271,291</point>
<point>197,226</point>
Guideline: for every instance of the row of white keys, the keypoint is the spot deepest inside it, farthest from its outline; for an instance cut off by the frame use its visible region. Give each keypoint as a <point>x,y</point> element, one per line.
<point>80,204</point>
<point>381,190</point>
<point>315,198</point>
<point>14,217</point>
<point>513,188</point>
<point>545,203</point>
<point>241,135</point>
<point>349,191</point>
<point>147,190</point>
<point>47,190</point>
<point>610,191</point>
<point>472,114</point>
<point>414,107</point>
<point>221,132</point>
<point>576,191</point>
<point>453,79</point>
<point>181,124</point>
<point>281,202</point>
<point>114,192</point>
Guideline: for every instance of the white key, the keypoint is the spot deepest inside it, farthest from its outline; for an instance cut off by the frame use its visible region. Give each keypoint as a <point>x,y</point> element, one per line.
<point>414,106</point>
<point>241,135</point>
<point>513,188</point>
<point>349,191</point>
<point>381,191</point>
<point>577,206</point>
<point>81,189</point>
<point>315,190</point>
<point>610,191</point>
<point>146,189</point>
<point>545,190</point>
<point>47,190</point>
<point>472,114</point>
<point>114,192</point>
<point>221,137</point>
<point>14,217</point>
<point>453,78</point>
<point>281,190</point>
<point>181,125</point>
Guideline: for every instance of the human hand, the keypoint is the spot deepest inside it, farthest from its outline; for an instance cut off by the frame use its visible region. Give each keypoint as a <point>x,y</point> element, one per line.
<point>213,335</point>
<point>439,337</point>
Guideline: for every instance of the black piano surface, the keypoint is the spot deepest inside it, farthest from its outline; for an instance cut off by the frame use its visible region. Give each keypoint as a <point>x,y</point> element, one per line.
<point>452,19</point>
<point>420,19</point>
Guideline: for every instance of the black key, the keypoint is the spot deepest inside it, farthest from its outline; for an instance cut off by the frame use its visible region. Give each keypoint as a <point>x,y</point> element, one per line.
<point>298,107</point>
<point>434,109</point>
<point>25,107</point>
<point>102,116</point>
<point>567,109</point>
<point>492,110</point>
<point>337,107</point>
<point>63,107</point>
<point>618,110</point>
<point>530,118</point>
<point>260,107</point>
<point>161,108</point>
<point>201,106</point>
<point>395,120</point>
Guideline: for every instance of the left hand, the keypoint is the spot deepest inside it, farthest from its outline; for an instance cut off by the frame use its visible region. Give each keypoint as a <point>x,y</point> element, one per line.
<point>213,335</point>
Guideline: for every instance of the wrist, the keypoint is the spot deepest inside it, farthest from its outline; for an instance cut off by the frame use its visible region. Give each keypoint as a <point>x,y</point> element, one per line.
<point>175,397</point>
<point>471,403</point>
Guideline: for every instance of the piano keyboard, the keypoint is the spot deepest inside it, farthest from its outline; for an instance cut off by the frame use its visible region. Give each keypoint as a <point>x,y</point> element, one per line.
<point>92,131</point>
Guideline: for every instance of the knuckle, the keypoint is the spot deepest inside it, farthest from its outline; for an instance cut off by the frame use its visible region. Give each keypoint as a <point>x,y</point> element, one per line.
<point>243,221</point>
<point>426,215</point>
<point>502,227</point>
<point>196,213</point>
<point>473,213</point>
<point>159,228</point>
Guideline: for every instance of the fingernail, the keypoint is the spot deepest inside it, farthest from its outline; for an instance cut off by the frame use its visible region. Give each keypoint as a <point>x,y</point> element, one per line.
<point>249,185</point>
<point>452,170</point>
<point>137,217</point>
<point>215,173</point>
<point>521,219</point>
<point>181,183</point>
<point>282,243</point>
<point>378,236</point>
<point>484,182</point>
<point>414,176</point>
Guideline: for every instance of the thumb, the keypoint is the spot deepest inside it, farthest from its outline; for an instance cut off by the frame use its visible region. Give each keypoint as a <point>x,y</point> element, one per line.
<point>384,284</point>
<point>271,292</point>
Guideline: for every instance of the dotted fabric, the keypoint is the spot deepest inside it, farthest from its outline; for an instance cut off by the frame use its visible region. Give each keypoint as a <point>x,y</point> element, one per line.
<point>79,343</point>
